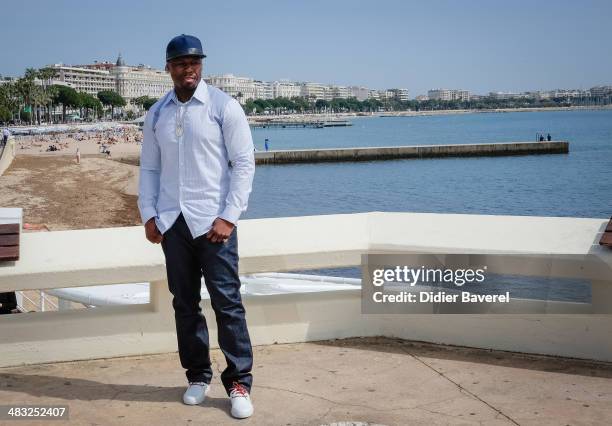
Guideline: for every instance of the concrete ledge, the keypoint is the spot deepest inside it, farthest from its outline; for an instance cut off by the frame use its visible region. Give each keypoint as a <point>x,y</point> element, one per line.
<point>120,255</point>
<point>422,151</point>
<point>8,155</point>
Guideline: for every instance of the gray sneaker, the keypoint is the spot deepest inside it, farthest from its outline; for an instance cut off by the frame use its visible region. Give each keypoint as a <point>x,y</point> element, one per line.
<point>196,393</point>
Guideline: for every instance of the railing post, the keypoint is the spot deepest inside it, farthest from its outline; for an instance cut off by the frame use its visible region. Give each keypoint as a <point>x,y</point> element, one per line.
<point>160,297</point>
<point>601,296</point>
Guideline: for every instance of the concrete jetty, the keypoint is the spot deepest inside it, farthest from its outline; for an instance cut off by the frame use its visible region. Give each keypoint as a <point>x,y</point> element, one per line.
<point>416,151</point>
<point>317,124</point>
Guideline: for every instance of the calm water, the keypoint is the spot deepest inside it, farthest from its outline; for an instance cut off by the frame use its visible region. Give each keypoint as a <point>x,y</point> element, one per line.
<point>577,184</point>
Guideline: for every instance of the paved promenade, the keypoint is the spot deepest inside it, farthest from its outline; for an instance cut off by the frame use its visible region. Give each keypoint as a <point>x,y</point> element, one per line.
<point>370,380</point>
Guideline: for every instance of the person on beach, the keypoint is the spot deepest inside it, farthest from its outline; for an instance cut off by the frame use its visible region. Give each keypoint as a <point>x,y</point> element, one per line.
<point>6,133</point>
<point>196,172</point>
<point>78,156</point>
<point>548,137</point>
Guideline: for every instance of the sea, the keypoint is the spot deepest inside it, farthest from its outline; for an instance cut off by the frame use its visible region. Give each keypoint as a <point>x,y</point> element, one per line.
<point>578,184</point>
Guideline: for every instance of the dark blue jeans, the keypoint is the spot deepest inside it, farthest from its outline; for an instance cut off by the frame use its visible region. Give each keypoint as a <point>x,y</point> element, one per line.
<point>187,259</point>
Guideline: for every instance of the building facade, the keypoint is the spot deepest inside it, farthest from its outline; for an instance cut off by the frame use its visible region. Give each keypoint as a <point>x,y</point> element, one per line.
<point>241,88</point>
<point>314,91</point>
<point>285,89</point>
<point>136,81</point>
<point>129,81</point>
<point>86,80</point>
<point>400,94</point>
<point>359,92</point>
<point>448,95</point>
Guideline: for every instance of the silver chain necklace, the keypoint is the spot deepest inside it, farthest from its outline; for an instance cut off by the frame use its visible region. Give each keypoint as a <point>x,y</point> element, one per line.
<point>180,120</point>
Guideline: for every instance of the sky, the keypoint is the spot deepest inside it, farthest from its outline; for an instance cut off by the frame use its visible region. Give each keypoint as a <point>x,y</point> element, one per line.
<point>475,45</point>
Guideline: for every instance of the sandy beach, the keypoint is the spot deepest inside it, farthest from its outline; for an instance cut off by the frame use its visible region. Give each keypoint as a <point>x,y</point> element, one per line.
<point>59,194</point>
<point>124,140</point>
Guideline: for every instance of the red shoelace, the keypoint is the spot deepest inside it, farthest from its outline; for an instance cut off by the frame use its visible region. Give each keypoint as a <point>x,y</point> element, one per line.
<point>240,389</point>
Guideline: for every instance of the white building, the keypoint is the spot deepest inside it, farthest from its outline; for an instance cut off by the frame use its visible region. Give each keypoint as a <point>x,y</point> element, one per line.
<point>314,91</point>
<point>136,81</point>
<point>263,90</point>
<point>400,94</point>
<point>361,93</point>
<point>286,89</point>
<point>374,94</point>
<point>449,95</point>
<point>506,95</point>
<point>85,80</point>
<point>129,81</point>
<point>384,95</point>
<point>601,91</point>
<point>241,88</point>
<point>341,92</point>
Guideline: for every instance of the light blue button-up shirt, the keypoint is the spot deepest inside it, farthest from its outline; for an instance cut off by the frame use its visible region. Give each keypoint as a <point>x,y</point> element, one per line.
<point>206,171</point>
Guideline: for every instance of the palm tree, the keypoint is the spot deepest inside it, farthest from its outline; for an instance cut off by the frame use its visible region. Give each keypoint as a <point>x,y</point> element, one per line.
<point>40,97</point>
<point>47,75</point>
<point>25,88</point>
<point>9,97</point>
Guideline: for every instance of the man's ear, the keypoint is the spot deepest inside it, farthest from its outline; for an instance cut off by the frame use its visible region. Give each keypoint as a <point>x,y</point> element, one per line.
<point>167,69</point>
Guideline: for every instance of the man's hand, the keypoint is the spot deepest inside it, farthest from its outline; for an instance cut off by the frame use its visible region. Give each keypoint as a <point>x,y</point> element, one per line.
<point>152,232</point>
<point>220,231</point>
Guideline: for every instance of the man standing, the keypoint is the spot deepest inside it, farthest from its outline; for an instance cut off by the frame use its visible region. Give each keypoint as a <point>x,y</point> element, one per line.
<point>196,171</point>
<point>6,133</point>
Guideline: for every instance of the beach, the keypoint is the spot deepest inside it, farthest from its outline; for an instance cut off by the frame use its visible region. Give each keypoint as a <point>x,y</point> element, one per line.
<point>122,140</point>
<point>56,193</point>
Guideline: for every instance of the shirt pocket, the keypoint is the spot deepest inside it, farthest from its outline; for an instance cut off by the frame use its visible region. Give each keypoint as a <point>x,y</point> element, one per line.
<point>165,130</point>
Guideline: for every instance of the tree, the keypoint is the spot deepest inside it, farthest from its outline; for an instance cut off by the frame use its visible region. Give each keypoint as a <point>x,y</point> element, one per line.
<point>40,98</point>
<point>9,97</point>
<point>112,99</point>
<point>145,102</point>
<point>89,102</point>
<point>68,97</point>
<point>46,75</point>
<point>25,88</point>
<point>5,114</point>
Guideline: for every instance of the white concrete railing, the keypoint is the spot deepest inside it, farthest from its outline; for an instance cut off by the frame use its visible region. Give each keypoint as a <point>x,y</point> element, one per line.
<point>8,155</point>
<point>122,255</point>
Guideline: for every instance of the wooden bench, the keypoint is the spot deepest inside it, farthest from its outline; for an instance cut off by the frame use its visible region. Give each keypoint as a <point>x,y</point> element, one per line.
<point>9,251</point>
<point>606,238</point>
<point>9,242</point>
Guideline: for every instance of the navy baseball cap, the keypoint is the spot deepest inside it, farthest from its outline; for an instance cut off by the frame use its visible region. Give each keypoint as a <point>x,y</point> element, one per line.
<point>184,45</point>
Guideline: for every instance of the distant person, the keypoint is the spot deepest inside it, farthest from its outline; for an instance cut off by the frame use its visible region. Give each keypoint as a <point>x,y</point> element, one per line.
<point>78,156</point>
<point>266,144</point>
<point>548,137</point>
<point>541,138</point>
<point>5,135</point>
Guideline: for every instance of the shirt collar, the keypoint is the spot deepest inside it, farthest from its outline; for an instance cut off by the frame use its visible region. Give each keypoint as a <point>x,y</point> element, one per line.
<point>201,93</point>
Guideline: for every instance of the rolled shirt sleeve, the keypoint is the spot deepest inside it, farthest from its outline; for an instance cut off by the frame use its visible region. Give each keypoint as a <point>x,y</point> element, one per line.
<point>150,166</point>
<point>239,144</point>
